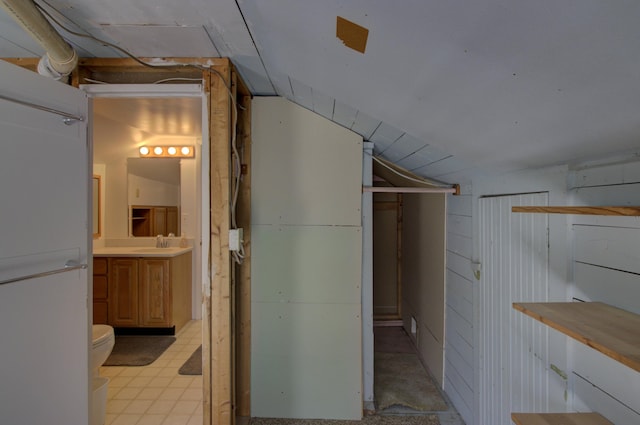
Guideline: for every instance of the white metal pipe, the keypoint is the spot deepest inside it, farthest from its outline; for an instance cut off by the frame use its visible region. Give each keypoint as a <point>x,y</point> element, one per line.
<point>61,58</point>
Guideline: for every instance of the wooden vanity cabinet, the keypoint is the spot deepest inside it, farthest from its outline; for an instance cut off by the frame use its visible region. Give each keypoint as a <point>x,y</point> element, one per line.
<point>147,292</point>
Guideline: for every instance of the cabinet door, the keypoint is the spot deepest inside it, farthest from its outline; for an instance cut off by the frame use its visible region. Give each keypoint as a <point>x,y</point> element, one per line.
<point>155,293</point>
<point>123,292</point>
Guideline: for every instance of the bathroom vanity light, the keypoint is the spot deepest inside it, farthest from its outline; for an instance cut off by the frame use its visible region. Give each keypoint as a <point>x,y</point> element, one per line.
<point>166,151</point>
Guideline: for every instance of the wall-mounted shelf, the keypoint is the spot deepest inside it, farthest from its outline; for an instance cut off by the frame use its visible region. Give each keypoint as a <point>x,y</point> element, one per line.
<point>610,330</point>
<point>626,211</point>
<point>559,419</point>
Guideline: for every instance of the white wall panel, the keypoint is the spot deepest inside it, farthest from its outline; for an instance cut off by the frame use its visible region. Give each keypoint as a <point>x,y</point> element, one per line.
<point>615,379</point>
<point>606,269</point>
<point>589,398</point>
<point>612,247</point>
<point>610,286</point>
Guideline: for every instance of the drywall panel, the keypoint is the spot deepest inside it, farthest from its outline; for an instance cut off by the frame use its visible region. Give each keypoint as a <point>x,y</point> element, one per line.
<point>306,354</point>
<point>306,264</point>
<point>306,360</point>
<point>423,274</point>
<point>306,170</point>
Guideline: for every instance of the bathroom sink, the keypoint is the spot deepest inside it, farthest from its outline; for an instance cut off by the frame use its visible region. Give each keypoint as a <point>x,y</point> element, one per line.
<point>152,250</point>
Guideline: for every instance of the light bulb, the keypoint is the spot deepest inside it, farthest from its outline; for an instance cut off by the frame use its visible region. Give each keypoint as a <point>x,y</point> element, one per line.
<point>144,150</point>
<point>157,150</point>
<point>185,150</point>
<point>172,150</point>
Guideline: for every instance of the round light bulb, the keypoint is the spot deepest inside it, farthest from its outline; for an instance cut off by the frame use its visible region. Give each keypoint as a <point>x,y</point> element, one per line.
<point>172,150</point>
<point>157,150</point>
<point>144,150</point>
<point>185,150</point>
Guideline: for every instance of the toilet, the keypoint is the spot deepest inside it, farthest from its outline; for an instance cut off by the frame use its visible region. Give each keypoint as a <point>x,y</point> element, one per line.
<point>103,342</point>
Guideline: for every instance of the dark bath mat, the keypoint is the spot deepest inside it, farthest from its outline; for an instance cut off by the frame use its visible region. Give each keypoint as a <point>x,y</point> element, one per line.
<point>138,350</point>
<point>193,365</point>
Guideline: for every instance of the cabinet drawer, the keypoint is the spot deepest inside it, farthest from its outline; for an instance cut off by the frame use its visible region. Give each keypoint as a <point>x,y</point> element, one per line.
<point>99,266</point>
<point>100,288</point>
<point>100,313</point>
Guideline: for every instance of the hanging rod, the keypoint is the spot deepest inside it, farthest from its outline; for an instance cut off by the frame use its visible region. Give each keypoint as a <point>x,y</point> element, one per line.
<point>68,266</point>
<point>394,189</point>
<point>65,115</point>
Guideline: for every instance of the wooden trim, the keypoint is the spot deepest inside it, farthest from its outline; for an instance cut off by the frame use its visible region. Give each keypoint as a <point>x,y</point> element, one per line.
<point>610,330</point>
<point>243,298</point>
<point>28,63</point>
<point>604,210</point>
<point>559,419</point>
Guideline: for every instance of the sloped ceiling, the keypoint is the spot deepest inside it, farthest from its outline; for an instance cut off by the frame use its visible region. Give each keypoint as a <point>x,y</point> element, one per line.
<point>443,88</point>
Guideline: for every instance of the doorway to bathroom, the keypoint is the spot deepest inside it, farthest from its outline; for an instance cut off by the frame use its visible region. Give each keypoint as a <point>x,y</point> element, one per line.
<point>126,120</point>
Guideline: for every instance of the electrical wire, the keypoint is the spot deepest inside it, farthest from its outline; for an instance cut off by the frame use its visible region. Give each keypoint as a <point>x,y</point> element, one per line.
<point>237,255</point>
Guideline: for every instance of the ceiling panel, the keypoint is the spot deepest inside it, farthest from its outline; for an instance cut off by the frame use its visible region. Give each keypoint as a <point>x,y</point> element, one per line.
<point>162,41</point>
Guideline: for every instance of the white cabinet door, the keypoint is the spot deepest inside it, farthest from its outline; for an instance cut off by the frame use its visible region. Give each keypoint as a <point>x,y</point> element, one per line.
<point>44,222</point>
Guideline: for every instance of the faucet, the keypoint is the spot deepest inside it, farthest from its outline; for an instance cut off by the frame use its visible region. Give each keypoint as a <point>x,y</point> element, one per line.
<point>161,242</point>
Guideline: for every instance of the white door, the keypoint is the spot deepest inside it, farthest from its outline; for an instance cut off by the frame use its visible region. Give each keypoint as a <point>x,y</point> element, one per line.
<point>513,349</point>
<point>44,221</point>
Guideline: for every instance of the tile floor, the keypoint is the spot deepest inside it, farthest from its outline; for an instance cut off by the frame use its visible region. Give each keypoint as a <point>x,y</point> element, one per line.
<point>156,394</point>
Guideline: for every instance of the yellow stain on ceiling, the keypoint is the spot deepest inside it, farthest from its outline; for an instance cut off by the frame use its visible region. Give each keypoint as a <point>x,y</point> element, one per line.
<point>352,35</point>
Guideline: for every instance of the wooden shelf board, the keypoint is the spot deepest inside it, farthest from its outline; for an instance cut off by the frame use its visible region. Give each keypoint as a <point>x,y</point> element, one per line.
<point>559,419</point>
<point>610,330</point>
<point>604,210</point>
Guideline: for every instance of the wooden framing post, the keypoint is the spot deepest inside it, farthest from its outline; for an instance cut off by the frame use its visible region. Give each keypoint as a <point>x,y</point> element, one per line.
<point>221,296</point>
<point>243,290</point>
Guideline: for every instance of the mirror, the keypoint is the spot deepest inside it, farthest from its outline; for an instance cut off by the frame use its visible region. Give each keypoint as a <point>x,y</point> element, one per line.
<point>96,206</point>
<point>153,192</point>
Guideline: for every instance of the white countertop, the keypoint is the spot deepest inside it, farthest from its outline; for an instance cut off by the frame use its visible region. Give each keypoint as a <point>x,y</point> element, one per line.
<point>139,251</point>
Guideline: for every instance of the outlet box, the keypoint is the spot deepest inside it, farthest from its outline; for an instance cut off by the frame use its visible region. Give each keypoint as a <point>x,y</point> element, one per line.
<point>235,239</point>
